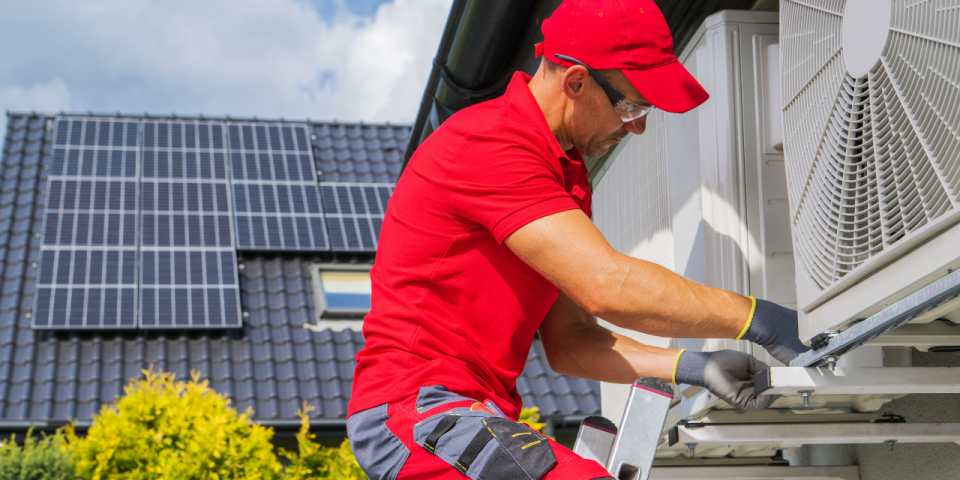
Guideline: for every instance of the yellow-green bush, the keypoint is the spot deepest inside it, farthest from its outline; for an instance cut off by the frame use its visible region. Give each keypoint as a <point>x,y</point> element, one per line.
<point>44,459</point>
<point>168,429</point>
<point>531,417</point>
<point>314,461</point>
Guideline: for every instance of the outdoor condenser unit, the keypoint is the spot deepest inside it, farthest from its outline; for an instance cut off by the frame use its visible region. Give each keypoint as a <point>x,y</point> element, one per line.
<point>705,195</point>
<point>871,114</point>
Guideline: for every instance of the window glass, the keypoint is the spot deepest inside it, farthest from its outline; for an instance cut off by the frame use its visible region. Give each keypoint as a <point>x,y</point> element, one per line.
<point>345,292</point>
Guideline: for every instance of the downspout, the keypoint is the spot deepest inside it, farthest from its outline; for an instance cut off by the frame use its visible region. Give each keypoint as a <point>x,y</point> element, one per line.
<point>471,60</point>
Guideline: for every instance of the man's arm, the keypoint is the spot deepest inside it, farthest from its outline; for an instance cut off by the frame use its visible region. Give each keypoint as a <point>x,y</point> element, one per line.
<point>567,249</point>
<point>576,345</point>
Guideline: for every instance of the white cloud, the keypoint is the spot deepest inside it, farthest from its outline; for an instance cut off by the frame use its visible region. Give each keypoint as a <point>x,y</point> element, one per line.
<point>42,97</point>
<point>217,57</point>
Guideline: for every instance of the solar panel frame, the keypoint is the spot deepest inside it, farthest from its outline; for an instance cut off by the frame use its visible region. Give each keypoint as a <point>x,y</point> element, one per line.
<point>87,277</point>
<point>277,204</point>
<point>188,275</point>
<point>355,213</point>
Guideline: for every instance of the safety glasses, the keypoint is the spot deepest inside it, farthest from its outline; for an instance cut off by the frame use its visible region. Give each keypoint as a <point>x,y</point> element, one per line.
<point>627,110</point>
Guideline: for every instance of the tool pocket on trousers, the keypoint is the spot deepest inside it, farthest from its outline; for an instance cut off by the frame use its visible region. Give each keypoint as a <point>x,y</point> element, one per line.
<point>486,447</point>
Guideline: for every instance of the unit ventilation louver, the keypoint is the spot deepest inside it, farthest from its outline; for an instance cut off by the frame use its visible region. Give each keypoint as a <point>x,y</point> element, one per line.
<point>871,92</point>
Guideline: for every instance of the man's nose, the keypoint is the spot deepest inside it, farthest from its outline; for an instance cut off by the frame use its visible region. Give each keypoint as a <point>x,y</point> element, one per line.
<point>637,126</point>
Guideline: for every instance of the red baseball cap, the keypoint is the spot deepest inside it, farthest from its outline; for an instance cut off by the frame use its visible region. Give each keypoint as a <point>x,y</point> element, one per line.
<point>629,35</point>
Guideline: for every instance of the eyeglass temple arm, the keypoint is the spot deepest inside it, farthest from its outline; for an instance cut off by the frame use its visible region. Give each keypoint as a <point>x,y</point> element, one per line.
<point>615,96</point>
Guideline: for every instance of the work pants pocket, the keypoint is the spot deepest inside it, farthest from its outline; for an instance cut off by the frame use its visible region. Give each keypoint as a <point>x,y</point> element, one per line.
<point>485,447</point>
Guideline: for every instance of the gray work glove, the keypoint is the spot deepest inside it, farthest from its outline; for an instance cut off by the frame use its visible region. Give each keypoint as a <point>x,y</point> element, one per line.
<point>775,329</point>
<point>728,374</point>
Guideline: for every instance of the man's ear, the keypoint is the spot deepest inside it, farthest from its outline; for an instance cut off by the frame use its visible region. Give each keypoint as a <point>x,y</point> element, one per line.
<point>573,81</point>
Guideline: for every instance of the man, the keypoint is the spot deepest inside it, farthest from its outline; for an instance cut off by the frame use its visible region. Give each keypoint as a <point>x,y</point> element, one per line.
<point>488,240</point>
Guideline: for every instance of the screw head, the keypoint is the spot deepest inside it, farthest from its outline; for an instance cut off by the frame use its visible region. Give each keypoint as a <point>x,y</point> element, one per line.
<point>246,314</point>
<point>693,449</point>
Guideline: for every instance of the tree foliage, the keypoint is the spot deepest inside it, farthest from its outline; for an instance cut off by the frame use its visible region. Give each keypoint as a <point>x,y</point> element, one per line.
<point>314,461</point>
<point>45,459</point>
<point>168,429</point>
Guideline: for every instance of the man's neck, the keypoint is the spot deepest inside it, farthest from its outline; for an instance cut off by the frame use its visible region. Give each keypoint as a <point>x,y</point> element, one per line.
<point>552,103</point>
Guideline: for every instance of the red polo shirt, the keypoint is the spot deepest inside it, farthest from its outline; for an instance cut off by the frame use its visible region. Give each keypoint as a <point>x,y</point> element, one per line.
<point>452,305</point>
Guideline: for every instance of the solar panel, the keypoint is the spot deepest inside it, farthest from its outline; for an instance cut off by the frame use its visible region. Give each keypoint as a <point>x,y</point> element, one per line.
<point>188,275</point>
<point>275,193</point>
<point>354,213</point>
<point>88,249</point>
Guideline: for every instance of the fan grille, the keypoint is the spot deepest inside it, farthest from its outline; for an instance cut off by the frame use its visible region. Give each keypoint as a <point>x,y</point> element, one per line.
<point>869,160</point>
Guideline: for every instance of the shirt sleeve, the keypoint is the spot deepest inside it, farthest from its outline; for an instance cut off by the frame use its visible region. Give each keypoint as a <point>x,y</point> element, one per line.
<point>509,187</point>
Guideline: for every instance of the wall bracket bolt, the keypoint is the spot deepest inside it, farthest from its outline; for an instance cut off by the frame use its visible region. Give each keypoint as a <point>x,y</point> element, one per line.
<point>693,449</point>
<point>891,444</point>
<point>805,395</point>
<point>831,362</point>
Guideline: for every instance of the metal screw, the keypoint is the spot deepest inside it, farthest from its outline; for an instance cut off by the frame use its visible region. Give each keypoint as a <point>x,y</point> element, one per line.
<point>891,444</point>
<point>831,362</point>
<point>37,234</point>
<point>246,314</point>
<point>34,264</point>
<point>241,266</point>
<point>46,167</point>
<point>693,449</point>
<point>29,315</point>
<point>319,172</point>
<point>805,394</point>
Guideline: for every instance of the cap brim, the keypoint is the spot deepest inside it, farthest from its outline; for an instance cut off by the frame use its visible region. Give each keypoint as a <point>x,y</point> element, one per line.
<point>668,87</point>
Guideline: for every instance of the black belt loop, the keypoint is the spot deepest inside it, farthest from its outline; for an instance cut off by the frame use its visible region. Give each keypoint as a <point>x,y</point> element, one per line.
<point>474,448</point>
<point>443,426</point>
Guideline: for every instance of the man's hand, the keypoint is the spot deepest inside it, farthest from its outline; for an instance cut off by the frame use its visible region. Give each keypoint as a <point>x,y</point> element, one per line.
<point>775,329</point>
<point>728,374</point>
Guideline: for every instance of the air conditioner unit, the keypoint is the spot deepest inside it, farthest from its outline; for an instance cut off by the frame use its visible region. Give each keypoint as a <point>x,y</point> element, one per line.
<point>705,194</point>
<point>871,112</point>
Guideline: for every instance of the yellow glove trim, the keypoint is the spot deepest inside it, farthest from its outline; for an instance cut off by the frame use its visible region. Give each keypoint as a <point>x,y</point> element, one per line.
<point>675,363</point>
<point>753,308</point>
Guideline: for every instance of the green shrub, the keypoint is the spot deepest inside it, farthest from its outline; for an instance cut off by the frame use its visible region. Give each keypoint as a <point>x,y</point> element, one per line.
<point>531,417</point>
<point>44,459</point>
<point>315,461</point>
<point>167,429</point>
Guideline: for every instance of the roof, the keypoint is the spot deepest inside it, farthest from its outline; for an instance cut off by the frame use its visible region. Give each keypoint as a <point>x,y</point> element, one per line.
<point>271,365</point>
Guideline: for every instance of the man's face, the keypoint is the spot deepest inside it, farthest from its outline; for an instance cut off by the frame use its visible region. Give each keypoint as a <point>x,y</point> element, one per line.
<point>598,125</point>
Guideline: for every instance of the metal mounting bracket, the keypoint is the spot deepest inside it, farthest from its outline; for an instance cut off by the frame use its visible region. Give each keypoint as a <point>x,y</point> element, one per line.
<point>858,381</point>
<point>755,472</point>
<point>922,336</point>
<point>796,434</point>
<point>931,296</point>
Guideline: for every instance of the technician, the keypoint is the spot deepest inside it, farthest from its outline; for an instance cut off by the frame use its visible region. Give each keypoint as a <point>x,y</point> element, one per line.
<point>488,240</point>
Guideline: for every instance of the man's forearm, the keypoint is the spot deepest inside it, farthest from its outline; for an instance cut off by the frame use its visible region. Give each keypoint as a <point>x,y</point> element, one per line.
<point>653,300</point>
<point>602,355</point>
<point>568,250</point>
<point>576,345</point>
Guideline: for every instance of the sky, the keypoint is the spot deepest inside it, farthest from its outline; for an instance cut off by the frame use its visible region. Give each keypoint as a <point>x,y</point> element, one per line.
<point>345,60</point>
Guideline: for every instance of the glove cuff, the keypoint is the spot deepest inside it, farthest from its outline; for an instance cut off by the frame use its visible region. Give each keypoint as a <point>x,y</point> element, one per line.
<point>690,368</point>
<point>769,322</point>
